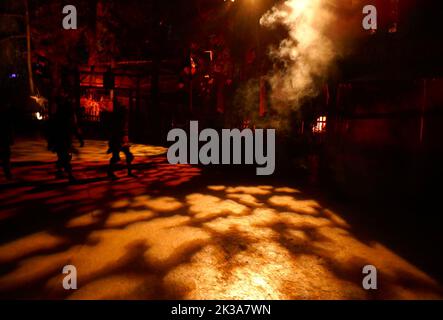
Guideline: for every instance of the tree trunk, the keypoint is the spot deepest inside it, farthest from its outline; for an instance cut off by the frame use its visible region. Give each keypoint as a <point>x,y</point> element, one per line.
<point>156,118</point>
<point>29,53</point>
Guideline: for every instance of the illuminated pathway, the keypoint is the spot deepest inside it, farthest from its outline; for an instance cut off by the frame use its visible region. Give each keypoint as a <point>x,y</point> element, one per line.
<point>172,233</point>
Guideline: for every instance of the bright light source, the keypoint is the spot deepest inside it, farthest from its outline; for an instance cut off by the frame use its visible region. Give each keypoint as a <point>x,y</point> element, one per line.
<point>320,125</point>
<point>39,116</point>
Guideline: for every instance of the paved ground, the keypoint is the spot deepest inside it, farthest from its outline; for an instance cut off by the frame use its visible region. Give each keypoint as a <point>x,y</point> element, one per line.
<point>177,232</point>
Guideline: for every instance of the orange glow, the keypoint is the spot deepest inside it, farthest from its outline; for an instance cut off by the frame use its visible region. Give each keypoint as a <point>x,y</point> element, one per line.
<point>130,239</point>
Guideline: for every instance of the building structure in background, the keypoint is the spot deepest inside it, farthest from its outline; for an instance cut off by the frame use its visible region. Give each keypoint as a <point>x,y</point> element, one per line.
<point>383,130</point>
<point>377,116</point>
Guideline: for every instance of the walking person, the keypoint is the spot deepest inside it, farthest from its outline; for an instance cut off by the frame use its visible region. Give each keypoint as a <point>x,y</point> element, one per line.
<point>6,138</point>
<point>63,127</point>
<point>118,121</point>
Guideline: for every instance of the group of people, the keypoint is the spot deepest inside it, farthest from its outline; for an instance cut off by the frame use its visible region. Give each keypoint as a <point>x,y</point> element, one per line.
<point>63,127</point>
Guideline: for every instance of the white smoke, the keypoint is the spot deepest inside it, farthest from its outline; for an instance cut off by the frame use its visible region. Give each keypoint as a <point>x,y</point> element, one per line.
<point>304,57</point>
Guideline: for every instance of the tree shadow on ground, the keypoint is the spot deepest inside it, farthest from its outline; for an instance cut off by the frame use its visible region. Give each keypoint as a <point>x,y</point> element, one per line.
<point>172,233</point>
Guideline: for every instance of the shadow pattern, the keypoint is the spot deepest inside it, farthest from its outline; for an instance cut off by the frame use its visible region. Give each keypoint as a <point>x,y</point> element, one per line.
<point>171,234</point>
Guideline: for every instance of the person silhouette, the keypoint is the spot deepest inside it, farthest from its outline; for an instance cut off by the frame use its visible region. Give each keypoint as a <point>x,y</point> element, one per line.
<point>6,138</point>
<point>63,127</point>
<point>118,138</point>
